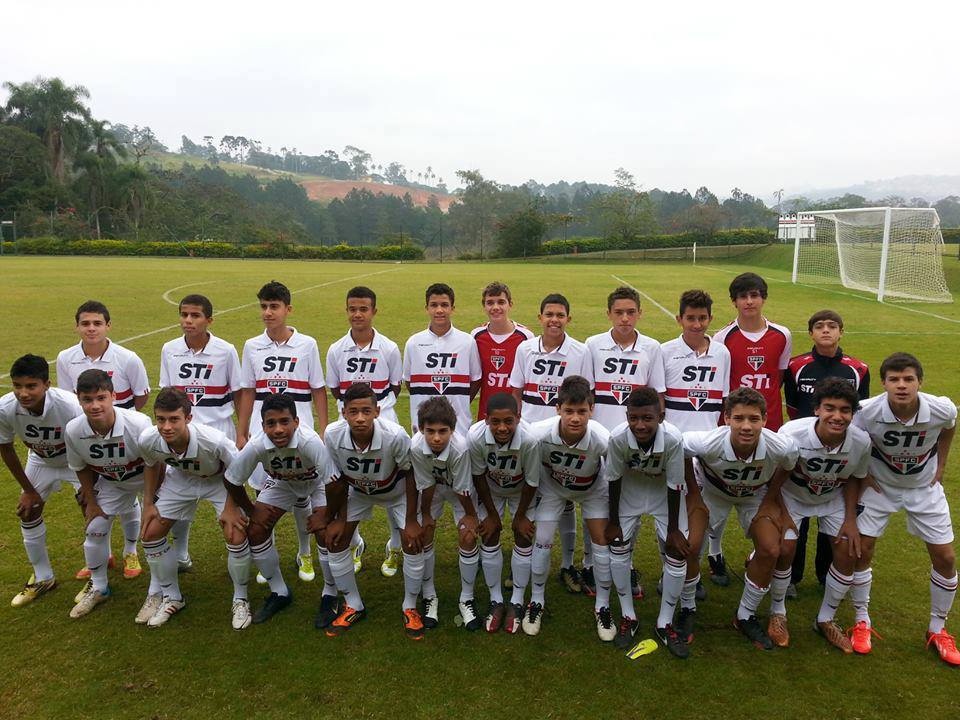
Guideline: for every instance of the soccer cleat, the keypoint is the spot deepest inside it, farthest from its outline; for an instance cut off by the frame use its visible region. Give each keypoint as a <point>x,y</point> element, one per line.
<point>635,587</point>
<point>32,590</point>
<point>412,624</point>
<point>168,608</point>
<point>513,618</point>
<point>834,635</point>
<point>587,582</point>
<point>532,618</point>
<point>777,630</point>
<point>184,566</point>
<point>673,642</point>
<point>570,579</point>
<point>684,624</point>
<point>626,631</point>
<point>327,613</point>
<point>494,619</point>
<point>945,645</point>
<point>131,565</point>
<point>391,562</point>
<point>508,583</point>
<point>346,620</point>
<point>754,632</point>
<point>305,569</point>
<point>791,591</point>
<point>718,570</point>
<point>605,629</point>
<point>261,580</point>
<point>358,551</point>
<point>468,612</point>
<point>701,591</point>
<point>273,604</point>
<point>91,598</point>
<point>431,612</point>
<point>241,617</point>
<point>148,609</point>
<point>860,637</point>
<point>84,572</point>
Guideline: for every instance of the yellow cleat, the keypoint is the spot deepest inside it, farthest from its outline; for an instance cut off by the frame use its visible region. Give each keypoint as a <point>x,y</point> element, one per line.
<point>304,568</point>
<point>358,556</point>
<point>391,563</point>
<point>32,590</point>
<point>131,565</point>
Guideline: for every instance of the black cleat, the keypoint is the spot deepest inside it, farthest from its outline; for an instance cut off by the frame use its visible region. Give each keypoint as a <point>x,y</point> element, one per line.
<point>718,570</point>
<point>273,604</point>
<point>672,641</point>
<point>587,582</point>
<point>636,588</point>
<point>684,624</point>
<point>626,631</point>
<point>754,632</point>
<point>327,613</point>
<point>570,579</point>
<point>701,591</point>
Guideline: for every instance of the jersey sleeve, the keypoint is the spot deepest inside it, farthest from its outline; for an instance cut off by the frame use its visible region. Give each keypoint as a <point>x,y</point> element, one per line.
<point>863,464</point>
<point>790,393</point>
<point>476,369</point>
<point>673,466</point>
<point>233,374</point>
<point>407,362</point>
<point>316,368</point>
<point>243,464</point>
<point>784,362</point>
<point>657,379</point>
<point>333,371</point>
<point>248,376</point>
<point>148,453</point>
<point>461,478</point>
<point>791,453</point>
<point>614,467</point>
<point>725,369</point>
<point>422,470</point>
<point>63,373</point>
<point>7,431</point>
<point>694,443</point>
<point>137,375</point>
<point>530,457</point>
<point>864,390</point>
<point>516,372</point>
<point>586,367</point>
<point>475,449</point>
<point>75,461</point>
<point>395,364</point>
<point>401,451</point>
<point>164,371</point>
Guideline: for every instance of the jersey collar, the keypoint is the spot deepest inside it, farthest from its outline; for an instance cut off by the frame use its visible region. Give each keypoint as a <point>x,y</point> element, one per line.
<point>656,448</point>
<point>192,444</point>
<point>817,443</point>
<point>561,349</point>
<point>514,443</point>
<point>730,455</point>
<point>922,416</point>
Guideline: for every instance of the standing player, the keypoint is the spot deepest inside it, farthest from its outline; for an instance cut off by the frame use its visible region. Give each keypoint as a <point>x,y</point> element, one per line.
<point>441,360</point>
<point>103,448</point>
<point>129,378</point>
<point>207,369</point>
<point>911,433</point>
<point>37,414</point>
<point>281,361</point>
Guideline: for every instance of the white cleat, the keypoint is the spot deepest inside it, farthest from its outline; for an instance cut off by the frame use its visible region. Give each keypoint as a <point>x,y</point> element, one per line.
<point>242,616</point>
<point>148,609</point>
<point>168,608</point>
<point>605,629</point>
<point>91,598</point>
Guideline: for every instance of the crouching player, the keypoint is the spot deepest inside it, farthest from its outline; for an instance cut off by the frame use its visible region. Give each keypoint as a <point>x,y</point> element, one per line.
<point>825,484</point>
<point>297,465</point>
<point>743,465</point>
<point>911,433</point>
<point>644,472</point>
<point>505,462</point>
<point>37,414</point>
<point>103,448</point>
<point>572,447</point>
<point>190,460</point>
<point>371,459</point>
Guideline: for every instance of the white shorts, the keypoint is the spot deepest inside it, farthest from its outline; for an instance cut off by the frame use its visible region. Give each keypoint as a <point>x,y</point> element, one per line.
<point>928,514</point>
<point>501,503</point>
<point>360,506</point>
<point>443,495</point>
<point>658,509</point>
<point>47,480</point>
<point>593,502</point>
<point>285,495</point>
<point>719,505</point>
<point>830,514</point>
<point>180,495</point>
<point>116,498</point>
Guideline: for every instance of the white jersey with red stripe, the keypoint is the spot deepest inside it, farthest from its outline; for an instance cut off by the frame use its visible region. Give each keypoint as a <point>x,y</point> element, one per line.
<point>441,366</point>
<point>304,464</point>
<point>660,464</point>
<point>718,465</point>
<point>209,376</point>
<point>505,467</point>
<point>538,374</point>
<point>904,454</point>
<point>377,469</point>
<point>124,367</point>
<point>208,455</point>
<point>292,368</point>
<point>115,457</point>
<point>377,365</point>
<point>821,471</point>
<point>43,434</point>
<point>573,467</point>
<point>450,468</point>
<point>618,371</point>
<point>696,384</point>
<point>497,355</point>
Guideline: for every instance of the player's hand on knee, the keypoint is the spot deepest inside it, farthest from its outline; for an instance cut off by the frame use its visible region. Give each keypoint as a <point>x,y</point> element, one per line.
<point>524,527</point>
<point>468,527</point>
<point>317,521</point>
<point>677,544</point>
<point>490,527</point>
<point>91,511</point>
<point>30,505</point>
<point>613,534</point>
<point>413,536</point>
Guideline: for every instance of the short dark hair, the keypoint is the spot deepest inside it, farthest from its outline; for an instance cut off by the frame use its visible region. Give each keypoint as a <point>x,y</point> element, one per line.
<point>622,293</point>
<point>274,290</point>
<point>362,291</point>
<point>497,288</point>
<point>170,399</point>
<point>574,390</point>
<point>747,282</point>
<point>359,391</point>
<point>439,289</point>
<point>279,402</point>
<point>822,315</point>
<point>898,362</point>
<point>90,381</point>
<point>696,299</point>
<point>201,300</point>
<point>436,411</point>
<point>555,299</point>
<point>744,396</point>
<point>836,388</point>
<point>30,366</point>
<point>502,401</point>
<point>641,397</point>
<point>92,306</point>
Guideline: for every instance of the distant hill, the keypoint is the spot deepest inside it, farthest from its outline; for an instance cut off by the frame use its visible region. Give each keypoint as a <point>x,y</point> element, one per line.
<point>929,187</point>
<point>327,189</point>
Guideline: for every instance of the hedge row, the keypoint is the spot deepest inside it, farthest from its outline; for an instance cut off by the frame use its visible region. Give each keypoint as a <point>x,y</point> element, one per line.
<point>746,236</point>
<point>54,246</point>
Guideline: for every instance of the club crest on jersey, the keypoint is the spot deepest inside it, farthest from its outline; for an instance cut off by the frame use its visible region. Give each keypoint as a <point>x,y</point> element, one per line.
<point>755,361</point>
<point>497,361</point>
<point>620,392</point>
<point>195,393</point>
<point>277,386</point>
<point>905,463</point>
<point>547,393</point>
<point>440,382</point>
<point>698,397</point>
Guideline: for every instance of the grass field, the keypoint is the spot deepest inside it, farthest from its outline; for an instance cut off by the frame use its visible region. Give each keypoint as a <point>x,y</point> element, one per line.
<point>105,666</point>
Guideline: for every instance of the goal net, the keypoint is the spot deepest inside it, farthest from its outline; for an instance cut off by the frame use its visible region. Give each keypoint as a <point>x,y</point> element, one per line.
<point>895,253</point>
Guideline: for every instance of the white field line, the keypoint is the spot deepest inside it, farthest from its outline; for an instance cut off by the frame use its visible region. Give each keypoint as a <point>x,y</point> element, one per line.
<point>166,295</point>
<point>662,308</point>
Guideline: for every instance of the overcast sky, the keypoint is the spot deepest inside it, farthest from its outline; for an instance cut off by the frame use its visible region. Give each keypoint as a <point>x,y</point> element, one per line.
<point>759,95</point>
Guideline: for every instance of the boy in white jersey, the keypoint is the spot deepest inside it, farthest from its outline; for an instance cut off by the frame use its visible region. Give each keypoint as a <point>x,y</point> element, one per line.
<point>129,378</point>
<point>644,474</point>
<point>911,433</point>
<point>207,369</point>
<point>103,448</point>
<point>743,465</point>
<point>505,463</point>
<point>371,462</point>
<point>441,361</point>
<point>190,460</point>
<point>37,414</point>
<point>572,448</point>
<point>366,356</point>
<point>833,462</point>
<point>281,360</point>
<point>297,464</point>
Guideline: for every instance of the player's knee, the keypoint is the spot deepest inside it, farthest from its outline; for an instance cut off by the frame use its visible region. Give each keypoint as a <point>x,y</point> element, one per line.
<point>788,548</point>
<point>154,531</point>
<point>944,559</point>
<point>492,539</point>
<point>520,541</point>
<point>467,540</point>
<point>233,536</point>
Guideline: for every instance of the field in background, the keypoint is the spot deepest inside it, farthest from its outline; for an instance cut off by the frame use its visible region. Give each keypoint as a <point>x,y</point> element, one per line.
<point>105,666</point>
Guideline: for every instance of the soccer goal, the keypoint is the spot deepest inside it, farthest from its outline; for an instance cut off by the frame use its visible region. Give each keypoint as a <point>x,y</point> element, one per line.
<point>895,253</point>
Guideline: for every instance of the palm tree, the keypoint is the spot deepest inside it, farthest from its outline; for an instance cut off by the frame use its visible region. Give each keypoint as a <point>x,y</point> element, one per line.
<point>96,161</point>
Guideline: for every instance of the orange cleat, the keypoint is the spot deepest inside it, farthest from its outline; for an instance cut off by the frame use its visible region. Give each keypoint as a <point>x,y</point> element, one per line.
<point>945,645</point>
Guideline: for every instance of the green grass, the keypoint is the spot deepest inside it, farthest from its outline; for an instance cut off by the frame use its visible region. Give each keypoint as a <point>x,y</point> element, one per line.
<point>105,666</point>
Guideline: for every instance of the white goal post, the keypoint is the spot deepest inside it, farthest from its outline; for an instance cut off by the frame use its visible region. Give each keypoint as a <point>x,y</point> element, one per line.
<point>895,253</point>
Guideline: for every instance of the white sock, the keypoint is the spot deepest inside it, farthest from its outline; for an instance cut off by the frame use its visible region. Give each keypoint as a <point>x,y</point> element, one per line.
<point>750,599</point>
<point>942,592</point>
<point>540,560</point>
<point>394,542</point>
<point>620,574</point>
<point>520,566</point>
<point>341,563</point>
<point>163,565</point>
<point>300,515</point>
<point>491,560</point>
<point>180,533</point>
<point>429,565</point>
<point>469,560</point>
<point>412,579</point>
<point>35,543</point>
<point>238,565</point>
<point>688,595</point>
<point>568,536</point>
<point>601,576</point>
<point>268,563</point>
<point>835,590</point>
<point>130,521</point>
<point>860,594</point>
<point>329,578</point>
<point>96,550</point>
<point>778,591</point>
<point>674,573</point>
<point>587,545</point>
<point>715,538</point>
